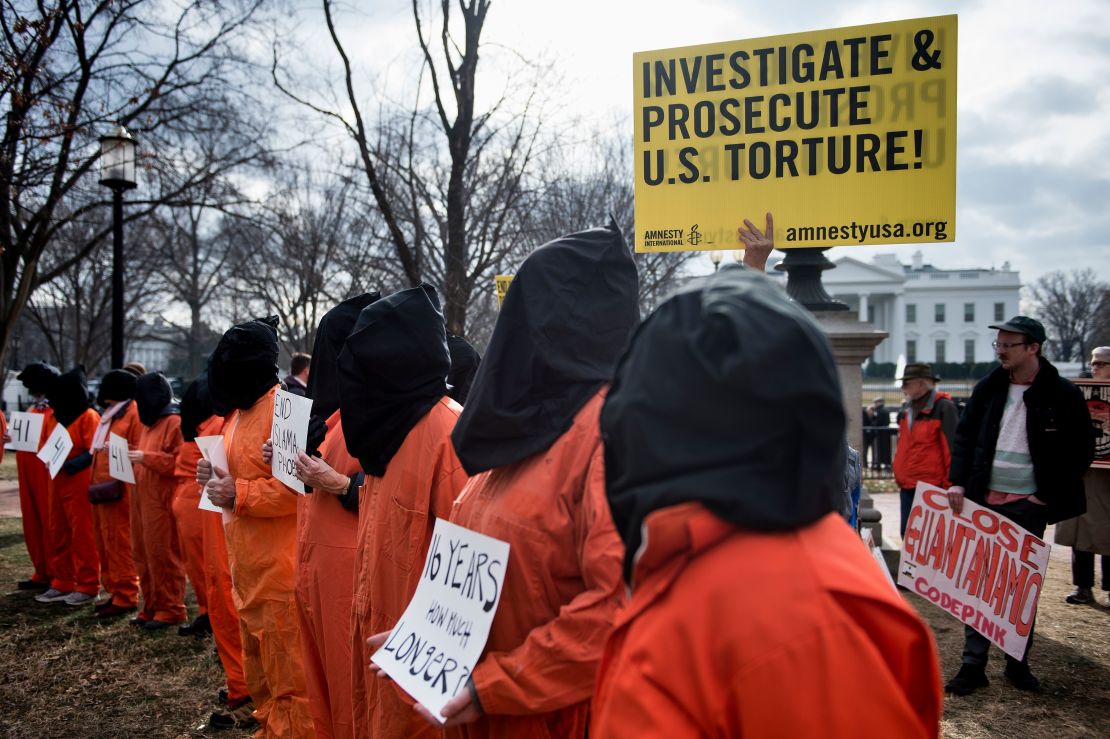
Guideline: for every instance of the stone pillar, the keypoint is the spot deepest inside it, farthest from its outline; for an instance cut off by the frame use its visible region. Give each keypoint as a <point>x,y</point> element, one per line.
<point>863,307</point>
<point>852,343</point>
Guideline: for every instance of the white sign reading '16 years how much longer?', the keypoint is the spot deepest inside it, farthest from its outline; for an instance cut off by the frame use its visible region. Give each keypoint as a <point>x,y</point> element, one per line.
<point>978,565</point>
<point>433,648</point>
<point>289,436</point>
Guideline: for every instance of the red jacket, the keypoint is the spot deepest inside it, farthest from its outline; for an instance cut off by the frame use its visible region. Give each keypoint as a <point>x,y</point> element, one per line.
<point>734,633</point>
<point>923,452</point>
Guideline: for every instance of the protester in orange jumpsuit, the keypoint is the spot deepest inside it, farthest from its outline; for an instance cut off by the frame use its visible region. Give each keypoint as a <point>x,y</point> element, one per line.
<point>74,564</point>
<point>112,517</point>
<point>397,420</point>
<point>190,518</point>
<point>261,535</point>
<point>327,521</point>
<point>529,435</point>
<point>154,537</point>
<point>198,419</point>
<point>34,480</point>
<point>755,610</point>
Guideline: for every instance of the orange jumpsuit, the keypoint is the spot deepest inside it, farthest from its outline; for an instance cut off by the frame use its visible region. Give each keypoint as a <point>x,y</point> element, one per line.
<point>112,521</point>
<point>325,594</point>
<point>74,563</point>
<point>397,513</point>
<point>562,585</point>
<point>261,544</point>
<point>154,539</point>
<point>190,520</point>
<point>734,633</point>
<point>222,614</point>
<point>34,501</point>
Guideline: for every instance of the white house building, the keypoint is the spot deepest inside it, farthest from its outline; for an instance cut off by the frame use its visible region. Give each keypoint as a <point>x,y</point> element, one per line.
<point>931,315</point>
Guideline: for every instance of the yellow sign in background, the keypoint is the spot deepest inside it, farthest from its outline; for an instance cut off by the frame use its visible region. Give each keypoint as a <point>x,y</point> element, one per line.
<point>848,136</point>
<point>502,282</point>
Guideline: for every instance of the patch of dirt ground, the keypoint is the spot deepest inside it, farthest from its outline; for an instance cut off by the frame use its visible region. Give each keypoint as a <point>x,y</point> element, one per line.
<point>63,673</point>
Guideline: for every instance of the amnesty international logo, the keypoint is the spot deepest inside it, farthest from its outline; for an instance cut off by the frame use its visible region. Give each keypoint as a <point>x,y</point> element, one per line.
<point>695,237</point>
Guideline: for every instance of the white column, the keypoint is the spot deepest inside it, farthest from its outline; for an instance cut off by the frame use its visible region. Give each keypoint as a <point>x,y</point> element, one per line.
<point>863,307</point>
<point>898,327</point>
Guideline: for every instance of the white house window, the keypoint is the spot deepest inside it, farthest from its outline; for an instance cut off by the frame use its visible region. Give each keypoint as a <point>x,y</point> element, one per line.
<point>969,351</point>
<point>1000,311</point>
<point>969,312</point>
<point>911,313</point>
<point>911,350</point>
<point>941,359</point>
<point>938,313</point>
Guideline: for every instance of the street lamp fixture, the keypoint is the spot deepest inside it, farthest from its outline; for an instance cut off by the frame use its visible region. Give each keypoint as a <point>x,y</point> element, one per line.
<point>715,257</point>
<point>117,172</point>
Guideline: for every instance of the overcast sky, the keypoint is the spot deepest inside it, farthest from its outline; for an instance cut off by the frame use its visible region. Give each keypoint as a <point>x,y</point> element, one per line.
<point>1033,159</point>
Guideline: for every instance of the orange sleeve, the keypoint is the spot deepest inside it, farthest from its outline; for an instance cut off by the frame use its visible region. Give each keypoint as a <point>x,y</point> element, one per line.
<point>162,458</point>
<point>134,427</point>
<point>257,493</point>
<point>82,431</point>
<point>3,430</point>
<point>556,665</point>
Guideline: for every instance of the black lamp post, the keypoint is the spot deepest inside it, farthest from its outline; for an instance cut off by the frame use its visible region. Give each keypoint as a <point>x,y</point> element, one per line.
<point>117,172</point>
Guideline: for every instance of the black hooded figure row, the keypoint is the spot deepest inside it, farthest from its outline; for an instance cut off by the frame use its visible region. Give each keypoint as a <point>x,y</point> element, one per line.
<point>677,565</point>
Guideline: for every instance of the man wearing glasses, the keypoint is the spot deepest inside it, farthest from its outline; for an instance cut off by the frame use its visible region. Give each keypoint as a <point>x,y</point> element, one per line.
<point>1022,447</point>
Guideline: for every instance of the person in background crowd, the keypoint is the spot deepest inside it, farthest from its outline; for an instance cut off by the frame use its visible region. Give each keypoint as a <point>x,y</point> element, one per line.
<point>714,538</point>
<point>154,537</point>
<point>1021,449</point>
<point>34,480</point>
<point>198,419</point>
<point>327,533</point>
<point>74,564</point>
<point>1089,534</point>
<point>136,368</point>
<point>397,420</point>
<point>465,361</point>
<point>296,381</point>
<point>529,437</point>
<point>112,515</point>
<point>926,431</point>
<point>880,421</point>
<point>262,530</point>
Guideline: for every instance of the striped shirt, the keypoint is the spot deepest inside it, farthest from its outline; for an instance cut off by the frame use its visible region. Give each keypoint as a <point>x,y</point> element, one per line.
<point>1012,469</point>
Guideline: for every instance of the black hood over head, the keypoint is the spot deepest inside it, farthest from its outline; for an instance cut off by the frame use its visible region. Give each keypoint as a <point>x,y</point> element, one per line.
<point>154,398</point>
<point>331,334</point>
<point>244,366</point>
<point>37,377</point>
<point>196,407</point>
<point>729,396</point>
<point>69,395</point>
<point>115,385</point>
<point>465,361</point>
<point>392,370</point>
<point>566,319</point>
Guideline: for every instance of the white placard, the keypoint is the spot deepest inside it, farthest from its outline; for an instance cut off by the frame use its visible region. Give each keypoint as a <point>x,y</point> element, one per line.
<point>119,464</point>
<point>432,650</point>
<point>55,450</point>
<point>25,430</point>
<point>289,435</point>
<point>978,565</point>
<point>212,449</point>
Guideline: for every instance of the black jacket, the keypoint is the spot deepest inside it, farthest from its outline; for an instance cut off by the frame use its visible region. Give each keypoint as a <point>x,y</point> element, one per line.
<point>1059,432</point>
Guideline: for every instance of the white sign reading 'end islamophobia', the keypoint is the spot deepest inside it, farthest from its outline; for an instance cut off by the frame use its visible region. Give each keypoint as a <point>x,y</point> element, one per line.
<point>433,648</point>
<point>289,436</point>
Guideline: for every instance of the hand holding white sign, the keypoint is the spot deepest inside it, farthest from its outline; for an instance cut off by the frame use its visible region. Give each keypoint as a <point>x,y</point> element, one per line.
<point>119,462</point>
<point>289,436</point>
<point>212,449</point>
<point>25,430</point>
<point>439,638</point>
<point>54,452</point>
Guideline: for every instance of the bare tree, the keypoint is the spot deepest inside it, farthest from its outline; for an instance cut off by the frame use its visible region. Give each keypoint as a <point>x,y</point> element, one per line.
<point>1073,306</point>
<point>449,181</point>
<point>72,312</point>
<point>587,191</point>
<point>71,70</point>
<point>304,251</point>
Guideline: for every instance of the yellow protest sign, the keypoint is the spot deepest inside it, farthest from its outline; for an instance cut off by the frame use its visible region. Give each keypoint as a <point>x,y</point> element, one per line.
<point>502,283</point>
<point>848,136</point>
